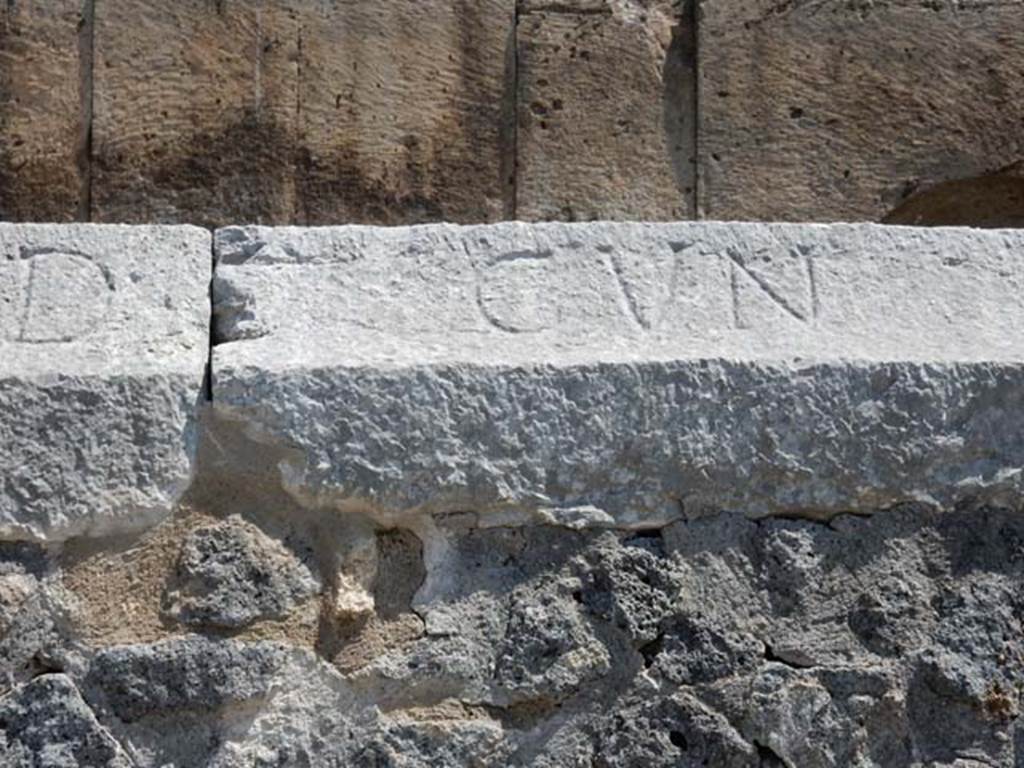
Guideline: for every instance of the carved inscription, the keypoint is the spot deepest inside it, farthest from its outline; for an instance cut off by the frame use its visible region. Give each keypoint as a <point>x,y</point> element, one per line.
<point>532,291</point>
<point>768,285</point>
<point>52,297</point>
<point>648,282</point>
<point>514,292</point>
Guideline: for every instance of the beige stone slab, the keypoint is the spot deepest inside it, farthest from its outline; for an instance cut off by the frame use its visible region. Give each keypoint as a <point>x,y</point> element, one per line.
<point>404,111</point>
<point>195,106</point>
<point>605,110</point>
<point>41,128</point>
<point>844,111</point>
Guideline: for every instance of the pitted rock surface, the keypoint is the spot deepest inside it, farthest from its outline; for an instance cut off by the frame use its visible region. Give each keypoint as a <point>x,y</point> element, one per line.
<point>230,574</point>
<point>47,724</point>
<point>880,641</point>
<point>193,673</point>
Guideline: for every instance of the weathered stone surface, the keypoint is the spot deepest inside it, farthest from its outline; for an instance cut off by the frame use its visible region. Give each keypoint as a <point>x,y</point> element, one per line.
<point>234,705</point>
<point>884,640</point>
<point>606,110</point>
<point>46,724</point>
<point>44,66</point>
<point>841,111</point>
<point>231,574</point>
<point>137,681</point>
<point>35,635</point>
<point>194,111</point>
<point>671,731</point>
<point>315,112</point>
<point>195,701</point>
<point>103,344</point>
<point>395,112</point>
<point>629,374</point>
<point>758,648</point>
<point>406,111</point>
<point>395,406</point>
<point>890,641</point>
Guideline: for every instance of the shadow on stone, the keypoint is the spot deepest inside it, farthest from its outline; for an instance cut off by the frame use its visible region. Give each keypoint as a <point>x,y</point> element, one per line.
<point>991,202</point>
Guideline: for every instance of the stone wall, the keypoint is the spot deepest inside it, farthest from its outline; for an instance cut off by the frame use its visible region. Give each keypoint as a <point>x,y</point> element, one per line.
<point>340,111</point>
<point>511,495</point>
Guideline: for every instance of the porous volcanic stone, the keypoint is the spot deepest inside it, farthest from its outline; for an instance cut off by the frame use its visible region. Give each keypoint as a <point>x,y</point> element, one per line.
<point>627,374</point>
<point>103,344</point>
<point>230,574</point>
<point>136,681</point>
<point>47,724</point>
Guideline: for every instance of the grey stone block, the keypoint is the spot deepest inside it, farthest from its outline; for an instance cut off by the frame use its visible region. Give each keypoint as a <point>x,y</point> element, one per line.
<point>103,345</point>
<point>627,374</point>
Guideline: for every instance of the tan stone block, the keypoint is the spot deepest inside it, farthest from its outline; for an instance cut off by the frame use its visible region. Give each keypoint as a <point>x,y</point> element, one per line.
<point>195,111</point>
<point>606,110</point>
<point>846,110</point>
<point>405,114</point>
<point>42,138</point>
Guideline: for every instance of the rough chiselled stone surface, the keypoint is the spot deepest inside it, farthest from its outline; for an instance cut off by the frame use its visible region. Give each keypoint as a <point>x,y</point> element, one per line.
<point>405,111</point>
<point>606,99</point>
<point>43,67</point>
<point>103,344</point>
<point>841,111</point>
<point>42,128</point>
<point>628,374</point>
<point>194,111</point>
<point>303,111</point>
